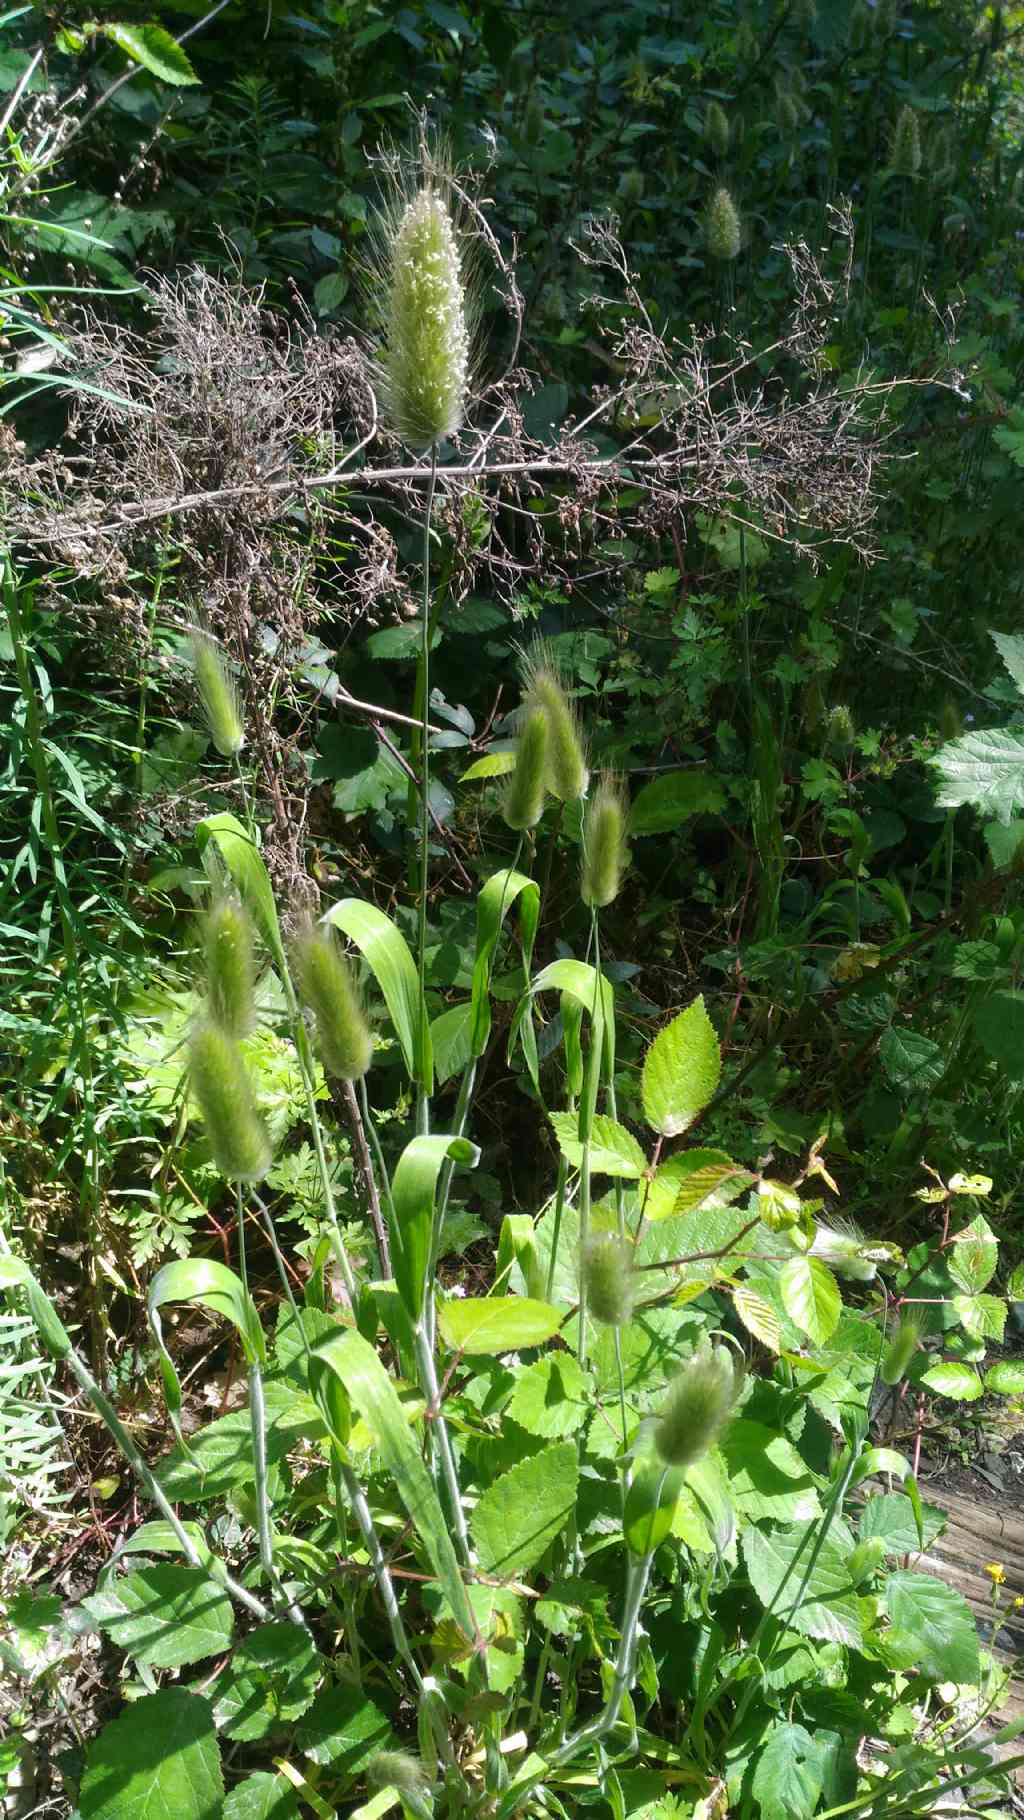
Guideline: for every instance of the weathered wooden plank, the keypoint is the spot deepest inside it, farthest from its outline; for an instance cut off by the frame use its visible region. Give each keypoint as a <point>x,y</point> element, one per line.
<point>978,1534</point>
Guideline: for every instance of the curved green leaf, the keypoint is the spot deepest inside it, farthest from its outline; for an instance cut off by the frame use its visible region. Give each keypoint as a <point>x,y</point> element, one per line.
<point>613,1149</point>
<point>375,1397</point>
<point>224,836</point>
<point>387,954</point>
<point>593,992</point>
<point>210,1285</point>
<point>492,906</point>
<point>412,1196</point>
<point>153,48</point>
<point>811,1298</point>
<point>681,1071</point>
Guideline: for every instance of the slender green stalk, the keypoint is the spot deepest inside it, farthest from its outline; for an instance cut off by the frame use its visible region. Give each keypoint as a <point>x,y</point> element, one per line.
<point>432,1392</point>
<point>300,1038</point>
<point>423,695</point>
<point>258,1428</point>
<point>369,1179</point>
<point>58,1343</point>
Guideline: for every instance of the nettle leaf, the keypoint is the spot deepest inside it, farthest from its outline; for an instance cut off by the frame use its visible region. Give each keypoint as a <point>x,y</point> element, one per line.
<point>155,50</point>
<point>1006,1379</point>
<point>345,1730</point>
<point>670,800</point>
<point>522,1512</point>
<point>767,1477</point>
<point>165,1616</point>
<point>938,1624</point>
<point>681,1071</point>
<point>158,1761</point>
<point>262,1797</point>
<point>811,1297</point>
<point>984,769</point>
<point>789,1775</point>
<point>999,1028</point>
<point>973,1256</point>
<point>951,1379</point>
<point>910,1060</point>
<point>482,1324</point>
<point>829,1609</point>
<point>613,1149</point>
<point>552,1397</point>
<point>269,1682</point>
<point>983,1316</point>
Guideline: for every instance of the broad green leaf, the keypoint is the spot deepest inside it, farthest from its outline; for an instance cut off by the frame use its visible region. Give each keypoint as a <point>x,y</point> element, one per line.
<point>984,769</point>
<point>1006,1379</point>
<point>154,49</point>
<point>681,1071</point>
<point>343,1729</point>
<point>222,838</point>
<point>973,1255</point>
<point>165,1616</point>
<point>451,1041</point>
<point>910,1059</point>
<point>492,764</point>
<point>387,953</point>
<point>158,1761</point>
<point>373,1394</point>
<point>211,1285</point>
<point>983,1316</point>
<point>268,1684</point>
<point>262,1797</point>
<point>219,1456</point>
<point>552,1397</point>
<point>810,1296</point>
<point>651,1499</point>
<point>999,1027</point>
<point>829,1609</point>
<point>682,1184</point>
<point>890,1516</point>
<point>413,1188</point>
<point>523,1510</point>
<point>788,1775</point>
<point>938,1623</point>
<point>960,1383</point>
<point>493,904</point>
<point>1011,649</point>
<point>505,1323</point>
<point>671,799</point>
<point>758,1316</point>
<point>613,1149</point>
<point>767,1477</point>
<point>722,1181</point>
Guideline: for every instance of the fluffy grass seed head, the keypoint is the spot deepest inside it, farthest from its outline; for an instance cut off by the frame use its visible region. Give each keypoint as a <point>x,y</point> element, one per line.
<point>424,362</point>
<point>842,1251</point>
<point>906,143</point>
<point>567,774</point>
<point>230,970</point>
<point>722,234</point>
<point>608,1279</point>
<point>523,803</point>
<point>223,1092</point>
<point>397,1769</point>
<point>699,1405</point>
<point>716,128</point>
<point>605,850</point>
<point>218,695</point>
<point>902,1347</point>
<point>327,986</point>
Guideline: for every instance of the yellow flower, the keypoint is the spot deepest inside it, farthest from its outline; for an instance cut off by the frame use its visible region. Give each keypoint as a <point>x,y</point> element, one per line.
<point>1018,1603</point>
<point>996,1572</point>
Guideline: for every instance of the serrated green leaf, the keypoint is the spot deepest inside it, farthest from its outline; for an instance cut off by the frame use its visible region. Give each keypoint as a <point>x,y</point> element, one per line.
<point>492,1324</point>
<point>153,48</point>
<point>983,1316</point>
<point>262,1797</point>
<point>158,1761</point>
<point>1011,647</point>
<point>951,1379</point>
<point>829,1609</point>
<point>492,764</point>
<point>451,1041</point>
<point>524,1509</point>
<point>165,1616</point>
<point>910,1059</point>
<point>939,1623</point>
<point>789,1774</point>
<point>343,1729</point>
<point>766,1475</point>
<point>269,1682</point>
<point>613,1149</point>
<point>810,1296</point>
<point>670,800</point>
<point>890,1516</point>
<point>1006,1379</point>
<point>984,769</point>
<point>681,1071</point>
<point>758,1316</point>
<point>973,1255</point>
<point>552,1397</point>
